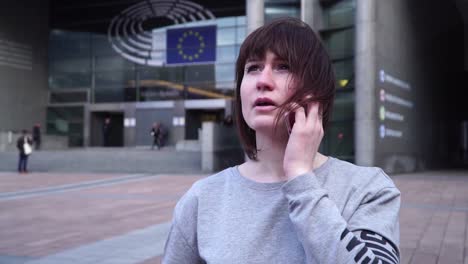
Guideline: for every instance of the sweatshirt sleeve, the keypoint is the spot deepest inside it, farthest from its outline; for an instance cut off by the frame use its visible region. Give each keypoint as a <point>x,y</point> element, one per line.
<point>181,244</point>
<point>371,235</point>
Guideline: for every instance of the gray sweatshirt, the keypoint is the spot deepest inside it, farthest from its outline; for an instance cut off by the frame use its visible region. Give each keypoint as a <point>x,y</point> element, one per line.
<point>339,213</point>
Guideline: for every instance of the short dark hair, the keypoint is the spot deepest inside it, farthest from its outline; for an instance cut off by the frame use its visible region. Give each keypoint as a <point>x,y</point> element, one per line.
<point>295,42</point>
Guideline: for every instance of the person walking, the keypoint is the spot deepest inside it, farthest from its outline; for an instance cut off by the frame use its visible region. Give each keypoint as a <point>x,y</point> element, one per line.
<point>156,134</point>
<point>24,146</point>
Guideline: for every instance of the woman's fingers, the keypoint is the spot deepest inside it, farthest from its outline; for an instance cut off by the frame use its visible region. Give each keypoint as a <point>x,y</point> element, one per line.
<point>300,115</point>
<point>313,113</point>
<point>309,118</point>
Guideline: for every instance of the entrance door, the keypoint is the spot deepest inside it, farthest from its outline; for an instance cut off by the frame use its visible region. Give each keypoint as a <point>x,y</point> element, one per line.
<point>113,131</point>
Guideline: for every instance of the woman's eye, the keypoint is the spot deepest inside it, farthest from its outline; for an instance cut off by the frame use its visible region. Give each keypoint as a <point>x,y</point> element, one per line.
<point>251,68</point>
<point>283,67</point>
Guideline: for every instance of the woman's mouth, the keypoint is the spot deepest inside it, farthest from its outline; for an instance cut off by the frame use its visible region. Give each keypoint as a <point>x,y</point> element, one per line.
<point>264,103</point>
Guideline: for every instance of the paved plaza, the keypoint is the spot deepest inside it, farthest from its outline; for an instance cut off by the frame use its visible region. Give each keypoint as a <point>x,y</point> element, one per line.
<point>65,217</point>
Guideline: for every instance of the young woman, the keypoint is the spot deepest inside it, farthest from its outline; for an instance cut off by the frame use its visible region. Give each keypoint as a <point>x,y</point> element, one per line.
<point>287,203</point>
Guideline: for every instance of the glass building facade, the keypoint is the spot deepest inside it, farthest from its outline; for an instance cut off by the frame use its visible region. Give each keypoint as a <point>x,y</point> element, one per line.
<point>338,36</point>
<point>85,69</point>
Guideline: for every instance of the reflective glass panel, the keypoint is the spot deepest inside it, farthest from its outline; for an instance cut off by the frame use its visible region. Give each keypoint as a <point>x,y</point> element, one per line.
<point>339,15</point>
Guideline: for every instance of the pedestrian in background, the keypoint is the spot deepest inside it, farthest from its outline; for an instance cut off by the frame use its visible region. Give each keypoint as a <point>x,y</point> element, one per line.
<point>36,136</point>
<point>287,203</point>
<point>156,133</point>
<point>24,146</point>
<point>106,131</point>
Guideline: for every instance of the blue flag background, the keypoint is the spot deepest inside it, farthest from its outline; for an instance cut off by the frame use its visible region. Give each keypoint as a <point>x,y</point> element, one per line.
<point>191,45</point>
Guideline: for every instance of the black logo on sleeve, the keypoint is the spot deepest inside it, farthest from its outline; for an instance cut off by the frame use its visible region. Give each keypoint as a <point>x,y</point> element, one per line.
<point>383,250</point>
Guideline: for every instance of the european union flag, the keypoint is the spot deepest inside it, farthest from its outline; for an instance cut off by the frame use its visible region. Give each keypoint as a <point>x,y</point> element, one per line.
<point>191,45</point>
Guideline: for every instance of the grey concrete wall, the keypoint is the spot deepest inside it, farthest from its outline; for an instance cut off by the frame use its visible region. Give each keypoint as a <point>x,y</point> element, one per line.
<point>220,147</point>
<point>397,85</point>
<point>48,142</point>
<point>408,103</point>
<point>24,34</point>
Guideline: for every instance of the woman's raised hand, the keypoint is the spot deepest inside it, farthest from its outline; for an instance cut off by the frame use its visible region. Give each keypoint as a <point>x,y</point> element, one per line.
<point>304,141</point>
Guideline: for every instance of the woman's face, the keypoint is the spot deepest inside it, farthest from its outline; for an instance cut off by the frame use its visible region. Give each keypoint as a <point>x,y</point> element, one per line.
<point>267,83</point>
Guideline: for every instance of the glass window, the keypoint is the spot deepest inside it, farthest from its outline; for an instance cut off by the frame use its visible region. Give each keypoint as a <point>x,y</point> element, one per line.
<point>158,91</point>
<point>226,21</point>
<point>339,15</point>
<point>74,96</point>
<point>70,64</point>
<point>199,73</point>
<point>227,87</point>
<point>73,80</point>
<point>343,107</point>
<point>101,45</point>
<point>115,86</point>
<point>63,44</point>
<point>173,74</point>
<point>149,73</point>
<point>241,33</point>
<point>226,36</point>
<point>226,53</point>
<point>340,44</point>
<point>338,140</point>
<point>225,72</point>
<point>273,12</point>
<point>241,20</point>
<point>112,63</point>
<point>344,71</point>
<point>66,121</point>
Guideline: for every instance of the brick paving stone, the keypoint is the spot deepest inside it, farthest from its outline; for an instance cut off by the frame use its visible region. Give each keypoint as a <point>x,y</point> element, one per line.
<point>406,254</point>
<point>433,217</point>
<point>413,223</point>
<point>453,244</point>
<point>466,241</point>
<point>451,255</point>
<point>55,222</point>
<point>155,260</point>
<point>424,258</point>
<point>434,234</point>
<point>14,182</point>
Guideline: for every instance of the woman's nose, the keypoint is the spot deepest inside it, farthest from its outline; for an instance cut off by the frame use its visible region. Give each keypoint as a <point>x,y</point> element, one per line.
<point>265,79</point>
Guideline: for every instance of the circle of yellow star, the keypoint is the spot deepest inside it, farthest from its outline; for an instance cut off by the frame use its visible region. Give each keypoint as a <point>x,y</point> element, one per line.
<point>201,45</point>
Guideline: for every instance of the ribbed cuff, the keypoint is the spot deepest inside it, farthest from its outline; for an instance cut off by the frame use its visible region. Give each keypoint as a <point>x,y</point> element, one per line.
<point>307,181</point>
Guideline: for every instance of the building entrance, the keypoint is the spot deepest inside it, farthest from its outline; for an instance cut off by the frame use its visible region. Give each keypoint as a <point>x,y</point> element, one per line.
<point>107,129</point>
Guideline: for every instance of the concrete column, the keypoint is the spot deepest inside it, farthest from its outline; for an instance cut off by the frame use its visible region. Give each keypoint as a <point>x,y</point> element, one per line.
<point>311,13</point>
<point>86,126</point>
<point>255,14</point>
<point>178,132</point>
<point>207,147</point>
<point>366,73</point>
<point>129,132</point>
